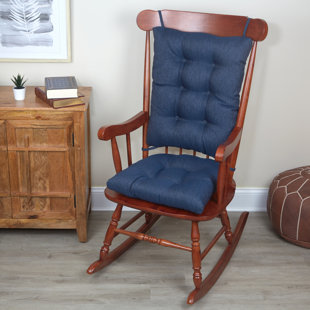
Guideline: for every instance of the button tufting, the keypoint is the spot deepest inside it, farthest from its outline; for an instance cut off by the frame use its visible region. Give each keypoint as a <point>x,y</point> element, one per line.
<point>151,178</point>
<point>181,89</point>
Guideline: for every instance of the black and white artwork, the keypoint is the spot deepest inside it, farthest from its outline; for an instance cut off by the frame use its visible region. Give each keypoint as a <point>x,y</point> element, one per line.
<point>34,30</point>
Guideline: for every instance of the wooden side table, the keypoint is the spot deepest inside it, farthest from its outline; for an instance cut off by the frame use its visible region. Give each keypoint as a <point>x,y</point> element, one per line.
<point>45,176</point>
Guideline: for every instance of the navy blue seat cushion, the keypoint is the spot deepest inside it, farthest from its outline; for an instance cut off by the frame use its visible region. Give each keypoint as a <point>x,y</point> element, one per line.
<point>197,79</point>
<point>181,181</point>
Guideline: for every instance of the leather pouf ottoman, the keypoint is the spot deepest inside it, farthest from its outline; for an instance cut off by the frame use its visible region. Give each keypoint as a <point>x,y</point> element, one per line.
<point>288,205</point>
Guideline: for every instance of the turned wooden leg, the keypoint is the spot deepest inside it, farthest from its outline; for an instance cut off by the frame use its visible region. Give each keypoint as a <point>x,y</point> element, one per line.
<point>196,255</point>
<point>107,257</point>
<point>110,232</point>
<point>148,217</point>
<point>222,262</point>
<point>226,224</point>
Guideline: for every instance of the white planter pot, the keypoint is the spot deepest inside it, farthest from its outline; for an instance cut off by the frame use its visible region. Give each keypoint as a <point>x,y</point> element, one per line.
<point>19,93</point>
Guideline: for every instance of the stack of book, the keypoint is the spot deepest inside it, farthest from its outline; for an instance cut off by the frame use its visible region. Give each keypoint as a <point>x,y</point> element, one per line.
<point>60,92</point>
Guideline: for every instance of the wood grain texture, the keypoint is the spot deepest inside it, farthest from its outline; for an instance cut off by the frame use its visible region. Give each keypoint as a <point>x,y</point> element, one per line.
<point>31,102</point>
<point>5,202</point>
<point>45,154</point>
<point>217,24</point>
<point>5,207</point>
<point>81,151</point>
<point>38,224</point>
<point>39,157</point>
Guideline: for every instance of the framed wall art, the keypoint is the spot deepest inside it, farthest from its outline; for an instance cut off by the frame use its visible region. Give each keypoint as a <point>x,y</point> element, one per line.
<point>35,31</point>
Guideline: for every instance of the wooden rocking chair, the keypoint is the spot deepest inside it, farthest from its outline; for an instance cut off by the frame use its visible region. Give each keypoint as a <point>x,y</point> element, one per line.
<point>198,70</point>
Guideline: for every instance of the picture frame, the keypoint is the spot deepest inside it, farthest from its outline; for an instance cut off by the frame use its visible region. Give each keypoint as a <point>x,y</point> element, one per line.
<point>44,35</point>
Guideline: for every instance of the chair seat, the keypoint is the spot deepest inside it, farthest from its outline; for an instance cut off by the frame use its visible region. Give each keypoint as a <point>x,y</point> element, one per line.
<point>181,181</point>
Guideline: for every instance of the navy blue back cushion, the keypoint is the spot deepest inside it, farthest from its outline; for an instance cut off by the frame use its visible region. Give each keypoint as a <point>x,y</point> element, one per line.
<point>197,79</point>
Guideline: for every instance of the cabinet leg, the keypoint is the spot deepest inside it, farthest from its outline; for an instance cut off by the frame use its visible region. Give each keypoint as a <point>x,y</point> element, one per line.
<point>81,221</point>
<point>81,230</point>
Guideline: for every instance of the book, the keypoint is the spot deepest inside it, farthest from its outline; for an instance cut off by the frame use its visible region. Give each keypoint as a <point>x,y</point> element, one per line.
<point>61,87</point>
<point>59,103</point>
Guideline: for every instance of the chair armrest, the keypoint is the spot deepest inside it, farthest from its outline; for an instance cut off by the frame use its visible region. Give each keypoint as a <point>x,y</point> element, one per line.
<point>111,131</point>
<point>226,148</point>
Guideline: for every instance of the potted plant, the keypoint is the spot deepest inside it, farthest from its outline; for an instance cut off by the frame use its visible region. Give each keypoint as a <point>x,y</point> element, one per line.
<point>19,89</point>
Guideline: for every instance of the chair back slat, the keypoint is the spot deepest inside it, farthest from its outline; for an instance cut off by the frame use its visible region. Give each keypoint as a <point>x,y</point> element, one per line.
<point>116,155</point>
<point>216,24</point>
<point>129,157</point>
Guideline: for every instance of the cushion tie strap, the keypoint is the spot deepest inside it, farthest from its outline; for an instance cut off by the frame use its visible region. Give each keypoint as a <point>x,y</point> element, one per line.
<point>149,148</point>
<point>161,19</point>
<point>246,26</point>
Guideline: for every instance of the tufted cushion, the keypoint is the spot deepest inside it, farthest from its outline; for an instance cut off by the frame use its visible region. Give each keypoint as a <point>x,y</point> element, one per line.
<point>180,181</point>
<point>197,78</point>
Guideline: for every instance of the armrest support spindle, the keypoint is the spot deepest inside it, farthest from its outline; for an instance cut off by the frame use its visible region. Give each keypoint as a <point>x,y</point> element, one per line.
<point>129,157</point>
<point>116,155</point>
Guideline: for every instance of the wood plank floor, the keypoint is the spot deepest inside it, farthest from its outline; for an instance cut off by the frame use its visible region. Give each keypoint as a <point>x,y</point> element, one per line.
<point>46,269</point>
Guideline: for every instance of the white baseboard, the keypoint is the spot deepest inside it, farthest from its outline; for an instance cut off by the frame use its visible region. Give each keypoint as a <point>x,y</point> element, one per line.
<point>246,199</point>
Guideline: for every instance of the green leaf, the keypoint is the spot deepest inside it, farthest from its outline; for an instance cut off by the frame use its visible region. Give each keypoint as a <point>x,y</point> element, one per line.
<point>19,81</point>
